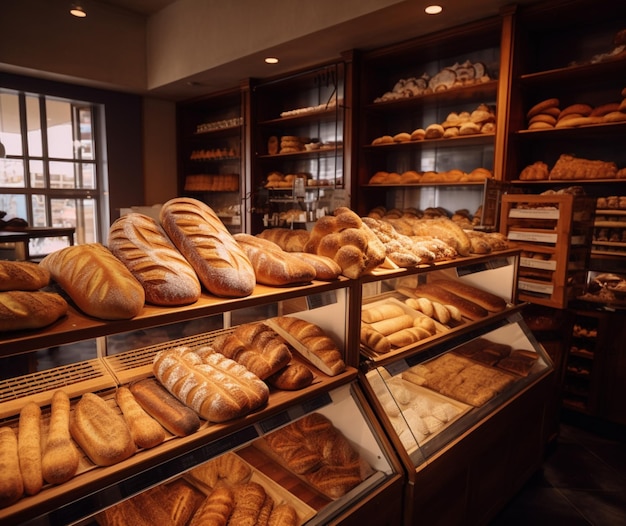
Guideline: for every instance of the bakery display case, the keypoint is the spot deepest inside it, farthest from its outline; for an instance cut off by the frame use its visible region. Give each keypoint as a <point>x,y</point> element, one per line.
<point>116,354</point>
<point>212,154</point>
<point>465,406</point>
<point>427,131</point>
<point>298,147</point>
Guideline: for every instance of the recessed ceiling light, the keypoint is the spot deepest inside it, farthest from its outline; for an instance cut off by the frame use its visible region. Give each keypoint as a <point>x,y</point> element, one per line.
<point>433,9</point>
<point>77,10</point>
<point>271,60</point>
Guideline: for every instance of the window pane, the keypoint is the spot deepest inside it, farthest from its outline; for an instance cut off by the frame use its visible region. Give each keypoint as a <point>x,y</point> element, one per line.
<point>78,213</point>
<point>12,173</point>
<point>10,131</point>
<point>63,212</point>
<point>36,174</point>
<point>33,121</point>
<point>14,205</point>
<point>60,139</point>
<point>39,204</point>
<point>85,135</point>
<point>62,175</point>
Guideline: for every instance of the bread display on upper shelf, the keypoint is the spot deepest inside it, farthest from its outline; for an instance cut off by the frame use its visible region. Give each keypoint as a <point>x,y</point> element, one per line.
<point>451,77</point>
<point>569,167</point>
<point>429,177</point>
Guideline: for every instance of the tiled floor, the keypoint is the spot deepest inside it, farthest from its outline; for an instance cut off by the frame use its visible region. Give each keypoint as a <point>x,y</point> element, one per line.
<point>582,482</point>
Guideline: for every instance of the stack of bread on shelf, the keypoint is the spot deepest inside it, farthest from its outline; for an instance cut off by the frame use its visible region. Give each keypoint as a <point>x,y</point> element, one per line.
<point>570,167</point>
<point>456,76</point>
<point>429,177</point>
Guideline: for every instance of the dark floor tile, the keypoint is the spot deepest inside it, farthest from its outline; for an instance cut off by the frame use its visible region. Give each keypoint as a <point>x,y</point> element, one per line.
<point>600,508</point>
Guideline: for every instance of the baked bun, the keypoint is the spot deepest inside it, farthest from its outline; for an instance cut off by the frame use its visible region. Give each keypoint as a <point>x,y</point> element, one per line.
<point>434,131</point>
<point>583,110</point>
<point>542,106</point>
<point>418,134</point>
<point>402,137</point>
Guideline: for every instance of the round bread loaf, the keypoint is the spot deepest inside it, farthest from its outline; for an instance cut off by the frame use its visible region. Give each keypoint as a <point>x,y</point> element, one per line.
<point>22,275</point>
<point>542,107</point>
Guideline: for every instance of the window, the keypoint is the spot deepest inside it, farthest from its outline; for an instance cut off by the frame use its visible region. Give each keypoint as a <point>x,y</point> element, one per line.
<point>51,174</point>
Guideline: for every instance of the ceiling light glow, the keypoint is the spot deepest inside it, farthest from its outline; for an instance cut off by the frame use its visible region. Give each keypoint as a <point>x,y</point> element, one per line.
<point>77,11</point>
<point>271,60</point>
<point>433,9</point>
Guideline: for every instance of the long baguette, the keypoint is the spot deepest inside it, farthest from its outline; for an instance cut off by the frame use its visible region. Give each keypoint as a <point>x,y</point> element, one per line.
<point>144,429</point>
<point>485,299</point>
<point>29,448</point>
<point>434,292</point>
<point>60,458</point>
<point>11,485</point>
<point>392,325</point>
<point>381,312</point>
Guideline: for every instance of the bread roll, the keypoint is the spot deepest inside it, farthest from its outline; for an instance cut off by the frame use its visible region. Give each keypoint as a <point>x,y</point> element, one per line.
<point>145,430</point>
<point>487,300</point>
<point>374,340</point>
<point>286,238</point>
<point>59,462</point>
<point>166,276</point>
<point>438,294</point>
<point>216,508</point>
<point>326,269</point>
<point>100,431</point>
<point>29,448</point>
<point>166,409</point>
<point>283,514</point>
<point>22,275</point>
<point>249,501</point>
<point>388,326</point>
<point>30,310</point>
<point>11,485</point>
<point>98,282</point>
<point>272,265</point>
<point>381,312</point>
<point>200,236</point>
<point>216,387</point>
<point>293,377</point>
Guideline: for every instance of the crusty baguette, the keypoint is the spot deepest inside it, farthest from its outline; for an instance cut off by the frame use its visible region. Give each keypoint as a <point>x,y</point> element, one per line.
<point>438,294</point>
<point>144,429</point>
<point>485,299</point>
<point>166,276</point>
<point>391,325</point>
<point>100,431</point>
<point>11,484</point>
<point>408,336</point>
<point>22,275</point>
<point>30,310</point>
<point>98,282</point>
<point>59,462</point>
<point>164,407</point>
<point>214,386</point>
<point>286,238</point>
<point>29,448</point>
<point>381,312</point>
<point>220,263</point>
<point>272,265</point>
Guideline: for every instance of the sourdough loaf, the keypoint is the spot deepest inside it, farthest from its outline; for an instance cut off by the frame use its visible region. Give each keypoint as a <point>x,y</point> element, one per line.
<point>166,276</point>
<point>30,310</point>
<point>214,386</point>
<point>96,281</point>
<point>22,275</point>
<point>220,263</point>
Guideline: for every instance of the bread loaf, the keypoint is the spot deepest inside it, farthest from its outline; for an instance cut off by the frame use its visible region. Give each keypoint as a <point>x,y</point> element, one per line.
<point>11,485</point>
<point>216,508</point>
<point>216,387</point>
<point>249,501</point>
<point>29,448</point>
<point>326,269</point>
<point>22,275</point>
<point>435,293</point>
<point>293,377</point>
<point>145,430</point>
<point>381,312</point>
<point>390,325</point>
<point>312,342</point>
<point>220,263</point>
<point>100,431</point>
<point>272,265</point>
<point>485,299</point>
<point>228,469</point>
<point>96,281</point>
<point>374,340</point>
<point>286,238</point>
<point>166,409</point>
<point>181,501</point>
<point>59,462</point>
<point>166,276</point>
<point>30,310</point>
<point>283,514</point>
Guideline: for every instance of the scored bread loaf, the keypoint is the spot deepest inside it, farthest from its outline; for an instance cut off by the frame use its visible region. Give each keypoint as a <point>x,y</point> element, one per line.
<point>374,340</point>
<point>96,281</point>
<point>326,269</point>
<point>250,499</point>
<point>293,377</point>
<point>228,468</point>
<point>164,407</point>
<point>272,265</point>
<point>144,429</point>
<point>30,310</point>
<point>166,276</point>
<point>286,238</point>
<point>438,294</point>
<point>283,514</point>
<point>214,386</point>
<point>216,508</point>
<point>22,275</point>
<point>100,431</point>
<point>29,448</point>
<point>59,462</point>
<point>311,341</point>
<point>485,299</point>
<point>200,236</point>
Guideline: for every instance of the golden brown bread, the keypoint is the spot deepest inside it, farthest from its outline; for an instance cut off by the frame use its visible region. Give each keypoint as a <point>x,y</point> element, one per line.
<point>487,300</point>
<point>326,268</point>
<point>166,409</point>
<point>374,340</point>
<point>98,283</point>
<point>166,276</point>
<point>145,430</point>
<point>100,431</point>
<point>30,310</point>
<point>29,448</point>
<point>249,500</point>
<point>272,265</point>
<point>220,263</point>
<point>59,462</point>
<point>434,292</point>
<point>216,508</point>
<point>11,484</point>
<point>391,325</point>
<point>286,238</point>
<point>228,468</point>
<point>293,377</point>
<point>283,514</point>
<point>214,386</point>
<point>381,312</point>
<point>22,275</point>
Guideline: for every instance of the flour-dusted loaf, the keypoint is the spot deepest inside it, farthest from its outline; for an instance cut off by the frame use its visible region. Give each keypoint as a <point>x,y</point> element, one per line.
<point>214,386</point>
<point>97,282</point>
<point>59,462</point>
<point>101,431</point>
<point>166,276</point>
<point>22,275</point>
<point>30,309</point>
<point>272,265</point>
<point>200,236</point>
